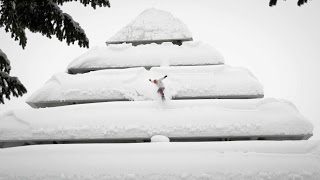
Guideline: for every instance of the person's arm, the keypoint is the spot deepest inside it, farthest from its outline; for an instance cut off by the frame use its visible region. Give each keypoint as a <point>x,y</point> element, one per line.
<point>163,77</point>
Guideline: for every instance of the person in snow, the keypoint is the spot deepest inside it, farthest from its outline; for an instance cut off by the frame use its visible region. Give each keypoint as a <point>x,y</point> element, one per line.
<point>160,85</point>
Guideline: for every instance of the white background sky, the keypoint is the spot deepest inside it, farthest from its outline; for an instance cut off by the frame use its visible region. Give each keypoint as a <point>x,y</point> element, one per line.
<point>280,45</point>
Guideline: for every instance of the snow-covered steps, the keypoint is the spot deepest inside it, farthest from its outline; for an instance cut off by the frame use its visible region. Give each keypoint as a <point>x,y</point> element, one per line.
<point>285,160</point>
<point>153,25</point>
<point>188,120</point>
<point>151,55</point>
<point>216,81</point>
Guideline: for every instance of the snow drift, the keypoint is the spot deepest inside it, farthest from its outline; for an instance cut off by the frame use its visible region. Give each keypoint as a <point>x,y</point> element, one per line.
<point>150,55</point>
<point>153,24</point>
<point>216,81</point>
<point>143,119</point>
<point>285,160</point>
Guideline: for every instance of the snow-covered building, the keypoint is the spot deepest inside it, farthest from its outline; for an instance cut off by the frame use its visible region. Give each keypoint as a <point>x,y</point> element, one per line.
<point>106,97</point>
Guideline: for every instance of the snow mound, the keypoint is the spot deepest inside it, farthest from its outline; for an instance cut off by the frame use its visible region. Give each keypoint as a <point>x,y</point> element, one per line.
<point>4,59</point>
<point>144,119</point>
<point>153,24</point>
<point>149,55</point>
<point>272,160</point>
<point>216,81</point>
<point>159,138</point>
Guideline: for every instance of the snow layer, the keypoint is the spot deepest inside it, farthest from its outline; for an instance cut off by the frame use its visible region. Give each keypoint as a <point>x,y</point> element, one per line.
<point>216,81</point>
<point>144,119</point>
<point>285,160</point>
<point>159,138</point>
<point>153,24</point>
<point>165,54</point>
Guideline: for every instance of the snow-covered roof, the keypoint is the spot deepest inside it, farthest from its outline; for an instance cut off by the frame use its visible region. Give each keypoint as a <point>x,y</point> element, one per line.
<point>256,118</point>
<point>285,160</point>
<point>215,81</point>
<point>149,55</point>
<point>152,25</point>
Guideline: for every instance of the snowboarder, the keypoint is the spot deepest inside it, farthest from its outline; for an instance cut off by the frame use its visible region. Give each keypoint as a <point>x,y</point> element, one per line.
<point>160,85</point>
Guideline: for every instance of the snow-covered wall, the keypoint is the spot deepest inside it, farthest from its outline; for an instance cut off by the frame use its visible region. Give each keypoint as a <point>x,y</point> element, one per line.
<point>143,119</point>
<point>153,24</point>
<point>253,160</point>
<point>216,81</point>
<point>150,55</point>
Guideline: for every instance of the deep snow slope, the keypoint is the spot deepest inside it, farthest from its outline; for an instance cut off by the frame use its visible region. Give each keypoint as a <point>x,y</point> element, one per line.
<point>215,81</point>
<point>153,24</point>
<point>149,55</point>
<point>143,119</point>
<point>285,160</point>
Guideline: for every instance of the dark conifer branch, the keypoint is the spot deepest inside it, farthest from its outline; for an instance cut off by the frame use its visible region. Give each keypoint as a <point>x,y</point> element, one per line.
<point>299,3</point>
<point>8,85</point>
<point>45,17</point>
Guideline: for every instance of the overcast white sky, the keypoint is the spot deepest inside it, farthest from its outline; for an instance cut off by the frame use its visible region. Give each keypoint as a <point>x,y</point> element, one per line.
<point>280,45</point>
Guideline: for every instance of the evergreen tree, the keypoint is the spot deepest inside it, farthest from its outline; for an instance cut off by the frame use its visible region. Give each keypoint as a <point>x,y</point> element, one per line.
<point>8,85</point>
<point>299,3</point>
<point>45,17</point>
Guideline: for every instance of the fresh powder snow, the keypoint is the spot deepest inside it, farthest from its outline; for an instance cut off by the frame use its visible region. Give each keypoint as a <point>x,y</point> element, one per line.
<point>285,160</point>
<point>149,55</point>
<point>159,138</point>
<point>215,81</point>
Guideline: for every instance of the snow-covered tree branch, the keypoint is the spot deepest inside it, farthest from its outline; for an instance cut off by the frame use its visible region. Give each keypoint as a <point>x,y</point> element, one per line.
<point>8,85</point>
<point>44,17</point>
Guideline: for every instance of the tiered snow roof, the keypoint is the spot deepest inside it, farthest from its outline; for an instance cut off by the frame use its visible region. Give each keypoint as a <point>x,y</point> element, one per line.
<point>122,72</point>
<point>152,25</point>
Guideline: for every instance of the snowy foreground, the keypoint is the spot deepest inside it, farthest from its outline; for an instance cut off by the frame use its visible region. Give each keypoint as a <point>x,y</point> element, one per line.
<point>143,119</point>
<point>149,55</point>
<point>216,81</point>
<point>251,160</point>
